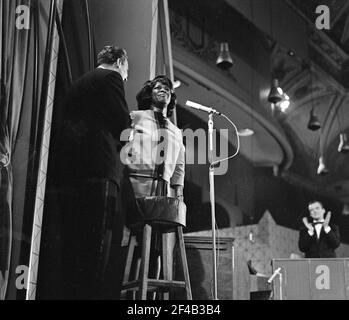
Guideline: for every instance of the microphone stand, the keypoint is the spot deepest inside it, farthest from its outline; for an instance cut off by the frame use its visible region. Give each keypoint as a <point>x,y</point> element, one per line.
<point>210,112</point>
<point>212,200</point>
<point>271,279</point>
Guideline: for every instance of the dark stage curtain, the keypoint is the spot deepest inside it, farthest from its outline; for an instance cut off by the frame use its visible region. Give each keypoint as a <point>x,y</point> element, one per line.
<point>76,57</point>
<point>24,25</point>
<point>14,67</point>
<point>22,74</point>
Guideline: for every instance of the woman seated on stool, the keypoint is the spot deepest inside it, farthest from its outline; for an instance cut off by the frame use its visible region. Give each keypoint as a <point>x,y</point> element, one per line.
<point>155,153</point>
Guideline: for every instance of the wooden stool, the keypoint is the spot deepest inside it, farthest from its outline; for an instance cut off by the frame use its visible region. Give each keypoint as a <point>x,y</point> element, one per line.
<point>169,221</point>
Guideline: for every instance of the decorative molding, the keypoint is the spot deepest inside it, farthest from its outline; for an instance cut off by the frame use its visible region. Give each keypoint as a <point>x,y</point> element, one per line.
<point>208,47</point>
<point>328,51</point>
<point>265,123</point>
<point>323,49</point>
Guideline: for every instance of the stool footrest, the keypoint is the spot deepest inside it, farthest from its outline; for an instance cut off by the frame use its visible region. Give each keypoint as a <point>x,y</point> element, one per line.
<point>155,284</point>
<point>142,283</point>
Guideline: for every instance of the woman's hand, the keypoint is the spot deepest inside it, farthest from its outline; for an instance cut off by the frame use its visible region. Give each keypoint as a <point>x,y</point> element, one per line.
<point>178,192</point>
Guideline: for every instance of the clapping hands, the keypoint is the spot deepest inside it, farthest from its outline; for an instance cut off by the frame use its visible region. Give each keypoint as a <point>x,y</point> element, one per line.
<point>327,219</point>
<point>308,225</point>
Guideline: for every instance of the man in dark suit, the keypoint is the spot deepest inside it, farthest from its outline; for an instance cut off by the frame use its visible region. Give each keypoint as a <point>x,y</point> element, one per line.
<point>319,238</point>
<point>89,175</point>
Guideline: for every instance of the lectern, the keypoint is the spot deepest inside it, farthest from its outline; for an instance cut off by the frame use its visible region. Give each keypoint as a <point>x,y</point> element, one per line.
<point>311,279</point>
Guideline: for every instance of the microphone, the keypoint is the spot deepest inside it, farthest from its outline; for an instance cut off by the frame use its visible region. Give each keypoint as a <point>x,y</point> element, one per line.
<point>201,107</point>
<point>277,271</point>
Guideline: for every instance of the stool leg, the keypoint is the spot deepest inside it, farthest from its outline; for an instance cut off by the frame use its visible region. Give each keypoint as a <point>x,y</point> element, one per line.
<point>136,276</point>
<point>168,241</point>
<point>157,273</point>
<point>144,270</point>
<point>183,258</point>
<point>130,251</point>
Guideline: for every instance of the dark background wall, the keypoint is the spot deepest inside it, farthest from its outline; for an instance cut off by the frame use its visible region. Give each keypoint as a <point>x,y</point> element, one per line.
<point>253,190</point>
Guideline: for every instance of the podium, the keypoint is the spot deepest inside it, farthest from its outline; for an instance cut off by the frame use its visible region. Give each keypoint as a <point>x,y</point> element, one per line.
<point>199,256</point>
<point>260,288</point>
<point>311,279</point>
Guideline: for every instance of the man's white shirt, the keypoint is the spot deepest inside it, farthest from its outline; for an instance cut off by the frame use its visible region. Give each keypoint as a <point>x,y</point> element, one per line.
<point>318,227</point>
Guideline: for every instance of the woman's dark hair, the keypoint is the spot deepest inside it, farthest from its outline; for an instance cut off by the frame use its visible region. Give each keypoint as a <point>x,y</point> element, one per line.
<point>144,96</point>
<point>111,54</point>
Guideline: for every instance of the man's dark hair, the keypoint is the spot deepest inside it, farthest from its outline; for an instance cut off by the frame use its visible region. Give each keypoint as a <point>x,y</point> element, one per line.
<point>144,96</point>
<point>314,201</point>
<point>110,54</point>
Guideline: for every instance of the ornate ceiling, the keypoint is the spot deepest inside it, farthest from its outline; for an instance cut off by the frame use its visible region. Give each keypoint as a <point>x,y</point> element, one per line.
<point>339,18</point>
<point>319,83</point>
<point>313,80</point>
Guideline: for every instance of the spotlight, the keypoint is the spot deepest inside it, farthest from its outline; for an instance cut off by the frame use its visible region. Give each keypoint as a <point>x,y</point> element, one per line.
<point>322,170</point>
<point>176,84</point>
<point>343,146</point>
<point>291,53</point>
<point>224,60</point>
<point>345,210</point>
<point>245,132</point>
<point>314,123</point>
<point>284,103</point>
<point>276,93</point>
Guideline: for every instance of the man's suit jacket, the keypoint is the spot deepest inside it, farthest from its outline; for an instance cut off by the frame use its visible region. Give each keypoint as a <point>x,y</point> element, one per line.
<point>322,247</point>
<point>95,113</point>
